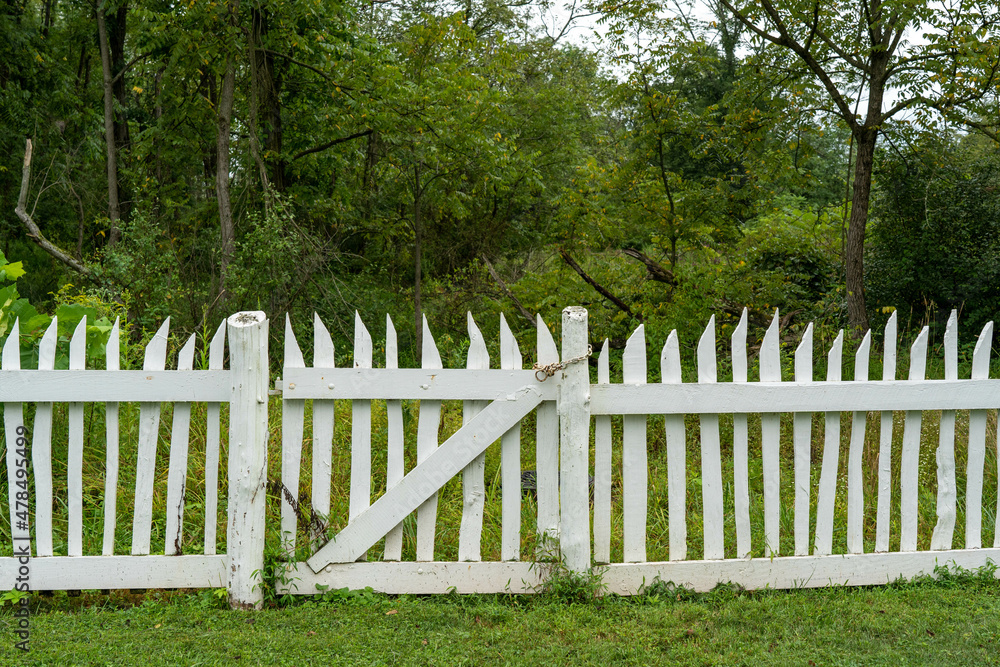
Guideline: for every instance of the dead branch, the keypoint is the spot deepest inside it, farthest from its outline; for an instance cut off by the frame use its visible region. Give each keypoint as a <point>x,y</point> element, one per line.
<point>656,271</point>
<point>600,290</point>
<point>34,233</point>
<point>506,290</point>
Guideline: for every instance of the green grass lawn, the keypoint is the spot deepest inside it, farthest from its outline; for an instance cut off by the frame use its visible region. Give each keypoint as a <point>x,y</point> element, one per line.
<point>953,621</point>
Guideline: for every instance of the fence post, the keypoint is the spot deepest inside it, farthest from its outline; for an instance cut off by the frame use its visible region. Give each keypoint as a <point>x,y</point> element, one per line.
<point>574,442</point>
<point>248,363</point>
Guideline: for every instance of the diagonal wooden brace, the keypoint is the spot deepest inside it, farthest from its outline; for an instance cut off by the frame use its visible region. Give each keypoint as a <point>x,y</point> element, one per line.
<point>423,481</point>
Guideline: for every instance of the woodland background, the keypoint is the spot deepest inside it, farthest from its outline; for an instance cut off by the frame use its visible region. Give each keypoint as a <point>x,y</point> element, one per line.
<point>835,160</point>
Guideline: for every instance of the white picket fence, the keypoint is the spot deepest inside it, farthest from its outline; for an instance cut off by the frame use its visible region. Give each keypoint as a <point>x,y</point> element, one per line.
<point>30,494</point>
<point>584,525</point>
<point>564,405</point>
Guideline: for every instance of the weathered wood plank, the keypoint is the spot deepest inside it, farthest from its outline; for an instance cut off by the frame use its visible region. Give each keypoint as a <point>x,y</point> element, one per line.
<point>547,446</point>
<point>428,423</point>
<point>574,445</point>
<point>510,460</point>
<point>177,470</point>
<point>322,444</point>
<point>97,386</point>
<point>790,571</point>
<point>909,467</point>
<point>977,446</point>
<point>473,482</point>
<point>118,572</point>
<point>13,418</point>
<point>741,462</point>
<point>292,429</point>
<point>802,445</point>
<point>770,434</point>
<point>884,513</point>
<point>670,372</point>
<point>947,493</point>
<point>634,465</point>
<point>394,442</point>
<point>41,449</point>
<point>690,398</point>
<point>361,430</point>
<point>855,485</point>
<point>74,457</point>
<point>823,543</point>
<point>711,453</point>
<point>602,469</point>
<point>149,431</point>
<point>216,355</point>
<point>435,578</point>
<point>423,481</point>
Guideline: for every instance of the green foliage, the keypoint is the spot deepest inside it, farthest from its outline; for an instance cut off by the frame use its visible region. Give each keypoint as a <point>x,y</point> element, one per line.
<point>934,242</point>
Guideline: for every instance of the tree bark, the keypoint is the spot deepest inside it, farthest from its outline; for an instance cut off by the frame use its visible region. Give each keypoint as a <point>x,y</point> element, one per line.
<point>854,256</point>
<point>227,232</point>
<point>417,267</point>
<point>114,211</point>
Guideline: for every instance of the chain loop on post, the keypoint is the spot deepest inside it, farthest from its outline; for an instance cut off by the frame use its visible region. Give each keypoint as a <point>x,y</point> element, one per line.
<point>544,372</point>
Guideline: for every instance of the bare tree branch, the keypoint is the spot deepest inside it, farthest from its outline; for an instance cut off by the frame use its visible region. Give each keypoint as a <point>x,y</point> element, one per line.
<point>593,283</point>
<point>657,271</point>
<point>506,290</point>
<point>34,233</point>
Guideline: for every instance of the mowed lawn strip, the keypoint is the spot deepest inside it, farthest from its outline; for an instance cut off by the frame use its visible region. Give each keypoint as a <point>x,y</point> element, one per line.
<point>955,622</point>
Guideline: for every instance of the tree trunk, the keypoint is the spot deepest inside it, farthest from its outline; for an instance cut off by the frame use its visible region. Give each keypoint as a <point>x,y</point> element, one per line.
<point>268,92</point>
<point>227,233</point>
<point>114,213</point>
<point>857,315</point>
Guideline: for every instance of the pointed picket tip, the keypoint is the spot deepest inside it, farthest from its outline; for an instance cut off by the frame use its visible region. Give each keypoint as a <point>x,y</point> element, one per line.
<point>478,356</point>
<point>111,348</point>
<point>12,347</point>
<point>362,343</point>
<point>889,349</point>
<point>510,353</point>
<point>707,363</point>
<point>391,344</point>
<point>78,345</point>
<point>804,356</point>
<point>670,359</point>
<point>951,347</point>
<point>185,358</point>
<point>738,341</point>
<point>835,358</point>
<point>293,353</point>
<point>918,355</point>
<point>604,364</point>
<point>981,355</point>
<point>430,356</point>
<point>323,350</point>
<point>770,354</point>
<point>217,348</point>
<point>548,353</point>
<point>634,358</point>
<point>861,358</point>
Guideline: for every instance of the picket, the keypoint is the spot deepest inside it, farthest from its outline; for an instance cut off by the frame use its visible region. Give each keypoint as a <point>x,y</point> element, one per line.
<point>394,442</point>
<point>602,469</point>
<point>670,372</point>
<point>292,427</point>
<point>427,443</point>
<point>546,450</point>
<point>909,466</point>
<point>74,464</point>
<point>823,542</point>
<point>634,465</point>
<point>41,450</point>
<point>711,454</point>
<point>361,430</point>
<point>884,512</point>
<point>13,418</point>
<point>802,446</point>
<point>473,482</point>
<point>322,445</point>
<point>770,425</point>
<point>855,492</point>
<point>741,465</point>
<point>944,530</point>
<point>977,446</point>
<point>213,411</point>
<point>510,460</point>
<point>178,465</point>
<point>149,431</point>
